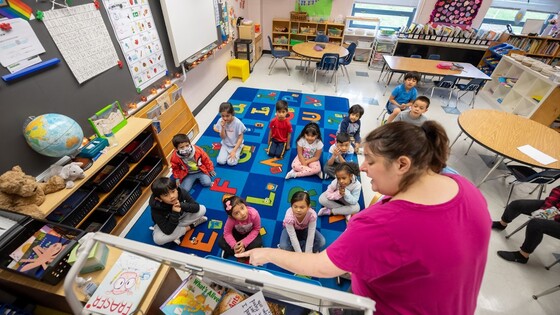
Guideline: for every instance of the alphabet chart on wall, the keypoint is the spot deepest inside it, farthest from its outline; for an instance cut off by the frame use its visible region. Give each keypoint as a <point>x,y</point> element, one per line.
<point>83,40</point>
<point>136,32</point>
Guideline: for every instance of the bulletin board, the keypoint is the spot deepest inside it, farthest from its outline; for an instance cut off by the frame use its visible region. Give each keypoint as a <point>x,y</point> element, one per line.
<point>56,90</point>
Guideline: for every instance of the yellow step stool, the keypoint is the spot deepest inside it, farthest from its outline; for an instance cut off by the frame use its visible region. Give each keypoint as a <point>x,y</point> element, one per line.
<point>238,68</point>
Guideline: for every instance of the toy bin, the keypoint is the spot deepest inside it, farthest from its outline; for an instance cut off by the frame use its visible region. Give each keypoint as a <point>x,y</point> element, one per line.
<point>110,175</point>
<point>138,148</point>
<point>99,220</point>
<point>22,243</point>
<point>75,208</point>
<point>147,170</point>
<point>123,198</point>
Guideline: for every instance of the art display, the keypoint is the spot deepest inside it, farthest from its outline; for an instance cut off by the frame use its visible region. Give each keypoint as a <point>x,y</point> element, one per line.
<point>455,12</point>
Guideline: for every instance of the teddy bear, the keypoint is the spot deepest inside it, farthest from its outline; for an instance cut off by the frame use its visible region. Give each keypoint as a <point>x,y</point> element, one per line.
<point>69,172</point>
<point>21,193</point>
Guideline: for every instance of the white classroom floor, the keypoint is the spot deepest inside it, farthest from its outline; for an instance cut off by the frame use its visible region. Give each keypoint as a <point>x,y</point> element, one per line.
<point>507,287</point>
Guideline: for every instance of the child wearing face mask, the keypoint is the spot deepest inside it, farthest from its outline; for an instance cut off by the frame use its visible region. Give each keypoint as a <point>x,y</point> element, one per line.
<point>190,163</point>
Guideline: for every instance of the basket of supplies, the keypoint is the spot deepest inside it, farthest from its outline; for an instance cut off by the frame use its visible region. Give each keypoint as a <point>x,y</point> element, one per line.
<point>298,16</point>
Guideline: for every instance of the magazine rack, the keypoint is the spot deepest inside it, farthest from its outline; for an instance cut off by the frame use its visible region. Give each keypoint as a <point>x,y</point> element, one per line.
<point>247,279</point>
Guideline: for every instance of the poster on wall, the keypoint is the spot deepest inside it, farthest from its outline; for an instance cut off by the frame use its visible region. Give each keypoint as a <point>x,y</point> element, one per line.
<point>315,8</point>
<point>136,33</point>
<point>455,12</point>
<point>73,30</point>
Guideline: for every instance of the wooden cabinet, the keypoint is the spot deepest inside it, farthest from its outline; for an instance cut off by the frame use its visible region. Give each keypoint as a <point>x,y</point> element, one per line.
<point>286,33</point>
<point>544,49</point>
<point>178,118</point>
<point>520,90</point>
<point>363,38</point>
<point>248,32</point>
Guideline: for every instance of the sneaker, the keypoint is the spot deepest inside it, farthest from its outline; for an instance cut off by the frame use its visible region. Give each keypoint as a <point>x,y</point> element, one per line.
<point>321,176</point>
<point>348,217</point>
<point>513,256</point>
<point>291,174</point>
<point>151,228</point>
<point>177,241</point>
<point>324,211</point>
<point>326,176</point>
<point>496,225</point>
<point>199,221</point>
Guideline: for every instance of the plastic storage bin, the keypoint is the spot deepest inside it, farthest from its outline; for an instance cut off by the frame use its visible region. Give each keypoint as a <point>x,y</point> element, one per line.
<point>75,208</point>
<point>147,170</point>
<point>23,239</point>
<point>123,198</point>
<point>99,220</point>
<point>138,148</point>
<point>110,175</point>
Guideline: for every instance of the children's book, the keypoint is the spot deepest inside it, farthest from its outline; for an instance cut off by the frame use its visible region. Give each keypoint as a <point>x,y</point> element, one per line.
<point>193,296</point>
<point>123,287</point>
<point>44,250</point>
<point>164,101</point>
<point>176,95</point>
<point>255,304</point>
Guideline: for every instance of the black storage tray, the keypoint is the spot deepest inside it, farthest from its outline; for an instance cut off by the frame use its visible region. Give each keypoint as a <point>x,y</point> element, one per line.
<point>99,220</point>
<point>122,199</point>
<point>75,208</point>
<point>110,175</point>
<point>57,268</point>
<point>138,148</point>
<point>147,170</point>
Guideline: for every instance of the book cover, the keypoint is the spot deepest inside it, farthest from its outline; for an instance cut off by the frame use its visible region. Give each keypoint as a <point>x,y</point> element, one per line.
<point>176,95</point>
<point>25,249</point>
<point>122,289</point>
<point>193,296</point>
<point>155,112</point>
<point>44,250</point>
<point>164,101</point>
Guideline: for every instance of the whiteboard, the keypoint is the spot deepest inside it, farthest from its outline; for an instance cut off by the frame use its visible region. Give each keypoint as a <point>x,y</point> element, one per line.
<point>191,26</point>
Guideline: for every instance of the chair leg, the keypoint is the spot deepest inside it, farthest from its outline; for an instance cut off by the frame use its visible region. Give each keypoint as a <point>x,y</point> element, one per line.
<point>272,66</point>
<point>271,62</point>
<point>551,290</point>
<point>432,93</point>
<point>286,64</point>
<point>518,229</point>
<point>554,263</point>
<point>315,80</point>
<point>543,186</point>
<point>510,192</point>
<point>470,145</point>
<point>460,133</point>
<point>347,74</point>
<point>449,98</point>
<point>383,112</point>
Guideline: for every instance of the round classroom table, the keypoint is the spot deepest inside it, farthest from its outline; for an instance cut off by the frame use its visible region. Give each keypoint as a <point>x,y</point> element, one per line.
<point>306,50</point>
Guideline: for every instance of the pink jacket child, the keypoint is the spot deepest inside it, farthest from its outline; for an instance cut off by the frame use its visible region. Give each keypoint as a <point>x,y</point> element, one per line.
<point>242,228</point>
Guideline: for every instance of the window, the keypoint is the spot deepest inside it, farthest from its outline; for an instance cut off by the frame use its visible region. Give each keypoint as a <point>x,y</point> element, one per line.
<point>391,16</point>
<point>497,19</point>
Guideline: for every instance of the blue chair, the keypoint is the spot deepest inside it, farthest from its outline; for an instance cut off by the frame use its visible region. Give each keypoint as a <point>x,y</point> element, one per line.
<point>447,82</point>
<point>473,86</point>
<point>329,62</point>
<point>434,56</point>
<point>416,56</point>
<point>343,62</point>
<point>322,38</point>
<point>277,55</point>
<point>402,74</point>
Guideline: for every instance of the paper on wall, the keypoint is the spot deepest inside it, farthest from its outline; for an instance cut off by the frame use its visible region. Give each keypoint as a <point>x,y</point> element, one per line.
<point>19,43</point>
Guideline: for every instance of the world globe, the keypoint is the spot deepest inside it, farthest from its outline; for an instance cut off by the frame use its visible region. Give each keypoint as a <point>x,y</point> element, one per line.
<point>53,135</point>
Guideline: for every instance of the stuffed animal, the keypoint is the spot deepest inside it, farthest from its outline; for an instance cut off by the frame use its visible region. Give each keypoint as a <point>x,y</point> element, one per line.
<point>69,172</point>
<point>21,193</point>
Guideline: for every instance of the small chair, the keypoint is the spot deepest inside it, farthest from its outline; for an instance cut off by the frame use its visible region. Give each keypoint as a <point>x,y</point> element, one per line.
<point>473,86</point>
<point>238,68</point>
<point>402,74</point>
<point>343,62</point>
<point>525,174</point>
<point>277,55</point>
<point>321,38</point>
<point>328,62</point>
<point>447,82</point>
<point>431,57</point>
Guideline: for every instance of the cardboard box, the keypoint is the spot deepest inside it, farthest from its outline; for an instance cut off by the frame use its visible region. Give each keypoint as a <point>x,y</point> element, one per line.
<point>247,32</point>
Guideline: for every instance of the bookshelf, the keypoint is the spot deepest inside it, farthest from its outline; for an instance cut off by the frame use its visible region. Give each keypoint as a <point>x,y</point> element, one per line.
<point>520,97</point>
<point>287,33</point>
<point>544,49</point>
<point>363,38</point>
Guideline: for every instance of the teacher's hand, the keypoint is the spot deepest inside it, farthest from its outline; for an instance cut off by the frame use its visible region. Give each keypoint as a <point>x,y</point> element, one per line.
<point>257,256</point>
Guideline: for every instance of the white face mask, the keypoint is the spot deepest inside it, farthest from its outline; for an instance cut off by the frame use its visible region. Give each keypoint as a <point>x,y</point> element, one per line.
<point>185,152</point>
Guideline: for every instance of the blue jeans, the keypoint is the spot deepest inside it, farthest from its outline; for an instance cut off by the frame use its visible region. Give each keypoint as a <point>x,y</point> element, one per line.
<point>189,180</point>
<point>276,148</point>
<point>318,243</point>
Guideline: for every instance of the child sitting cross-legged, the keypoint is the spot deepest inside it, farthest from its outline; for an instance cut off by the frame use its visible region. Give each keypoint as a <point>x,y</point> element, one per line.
<point>415,115</point>
<point>300,226</point>
<point>174,211</point>
<point>351,125</point>
<point>242,228</point>
<point>341,151</point>
<point>343,193</point>
<point>309,150</point>
<point>190,163</point>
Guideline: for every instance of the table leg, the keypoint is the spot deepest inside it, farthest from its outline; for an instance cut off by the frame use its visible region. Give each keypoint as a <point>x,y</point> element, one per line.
<point>381,73</point>
<point>460,133</point>
<point>498,162</point>
<point>389,80</point>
